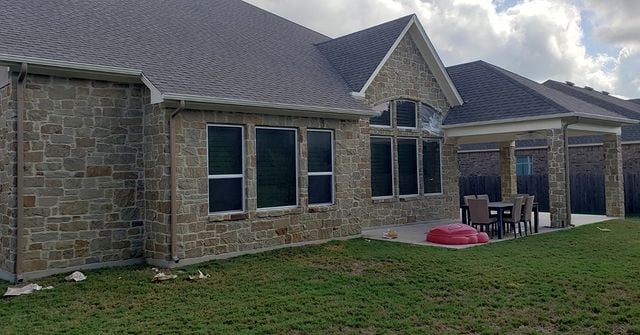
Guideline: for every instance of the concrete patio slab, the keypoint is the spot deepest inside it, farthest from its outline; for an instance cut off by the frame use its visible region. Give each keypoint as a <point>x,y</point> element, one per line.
<point>416,233</point>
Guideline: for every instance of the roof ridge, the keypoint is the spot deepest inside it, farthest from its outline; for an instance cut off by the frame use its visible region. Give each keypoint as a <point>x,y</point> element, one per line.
<point>365,29</point>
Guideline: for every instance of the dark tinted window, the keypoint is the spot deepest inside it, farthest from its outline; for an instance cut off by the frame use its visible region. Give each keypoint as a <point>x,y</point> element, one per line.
<point>407,166</point>
<point>226,170</point>
<point>319,151</point>
<point>431,162</point>
<point>406,113</point>
<point>381,167</point>
<point>276,167</point>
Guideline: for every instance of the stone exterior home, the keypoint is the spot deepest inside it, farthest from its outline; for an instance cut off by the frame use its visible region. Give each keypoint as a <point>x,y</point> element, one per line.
<point>140,150</point>
<point>172,133</point>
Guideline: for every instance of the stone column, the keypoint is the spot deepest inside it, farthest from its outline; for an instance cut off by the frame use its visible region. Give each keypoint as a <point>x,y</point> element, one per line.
<point>451,178</point>
<point>508,178</point>
<point>560,210</point>
<point>613,175</point>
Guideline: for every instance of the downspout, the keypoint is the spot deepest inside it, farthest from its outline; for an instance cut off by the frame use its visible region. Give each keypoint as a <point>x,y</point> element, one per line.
<point>567,171</point>
<point>20,172</point>
<point>174,183</point>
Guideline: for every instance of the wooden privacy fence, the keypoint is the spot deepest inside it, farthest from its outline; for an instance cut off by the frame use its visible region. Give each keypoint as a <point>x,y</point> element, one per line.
<point>587,191</point>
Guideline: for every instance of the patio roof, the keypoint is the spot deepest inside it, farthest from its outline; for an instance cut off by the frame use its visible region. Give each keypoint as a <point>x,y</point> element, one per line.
<point>502,106</point>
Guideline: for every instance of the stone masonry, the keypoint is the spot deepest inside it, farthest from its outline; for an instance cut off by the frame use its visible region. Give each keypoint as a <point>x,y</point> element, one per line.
<point>83,173</point>
<point>508,180</point>
<point>558,182</point>
<point>97,174</point>
<point>201,234</point>
<point>398,79</point>
<point>613,177</point>
<point>7,170</point>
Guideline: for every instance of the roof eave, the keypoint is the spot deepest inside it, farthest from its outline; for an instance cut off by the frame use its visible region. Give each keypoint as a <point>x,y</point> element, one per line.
<point>274,108</point>
<point>610,119</point>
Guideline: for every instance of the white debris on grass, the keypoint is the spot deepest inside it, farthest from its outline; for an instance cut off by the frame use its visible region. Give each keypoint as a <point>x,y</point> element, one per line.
<point>604,229</point>
<point>76,277</point>
<point>199,276</point>
<point>161,276</point>
<point>27,289</point>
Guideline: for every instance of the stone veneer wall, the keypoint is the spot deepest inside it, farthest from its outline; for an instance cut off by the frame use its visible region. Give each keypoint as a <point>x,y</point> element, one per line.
<point>7,182</point>
<point>203,235</point>
<point>83,172</point>
<point>406,75</point>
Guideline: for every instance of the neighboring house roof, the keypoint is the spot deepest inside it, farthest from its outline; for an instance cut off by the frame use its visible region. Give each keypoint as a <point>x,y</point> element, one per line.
<point>226,49</point>
<point>491,93</point>
<point>356,56</point>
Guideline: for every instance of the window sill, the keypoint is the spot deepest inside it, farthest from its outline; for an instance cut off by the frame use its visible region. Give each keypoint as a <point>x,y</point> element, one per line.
<point>407,198</point>
<point>431,195</point>
<point>322,208</point>
<point>383,200</point>
<point>267,213</point>
<point>228,217</point>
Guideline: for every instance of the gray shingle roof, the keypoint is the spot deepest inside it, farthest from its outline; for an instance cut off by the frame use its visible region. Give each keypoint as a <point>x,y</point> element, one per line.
<point>619,106</point>
<point>222,48</point>
<point>491,93</point>
<point>635,100</point>
<point>356,56</point>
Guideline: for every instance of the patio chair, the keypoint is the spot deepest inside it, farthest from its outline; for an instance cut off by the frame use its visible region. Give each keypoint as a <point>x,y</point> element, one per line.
<point>479,215</point>
<point>467,197</point>
<point>527,216</point>
<point>513,197</point>
<point>516,216</point>
<point>483,196</point>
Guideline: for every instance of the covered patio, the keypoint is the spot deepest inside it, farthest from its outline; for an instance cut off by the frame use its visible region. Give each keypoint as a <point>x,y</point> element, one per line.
<point>507,107</point>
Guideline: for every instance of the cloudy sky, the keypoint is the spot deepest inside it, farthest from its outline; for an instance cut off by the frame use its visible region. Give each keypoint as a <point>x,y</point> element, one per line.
<point>589,42</point>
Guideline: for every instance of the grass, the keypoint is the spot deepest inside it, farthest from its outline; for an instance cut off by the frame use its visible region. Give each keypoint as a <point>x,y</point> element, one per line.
<point>579,281</point>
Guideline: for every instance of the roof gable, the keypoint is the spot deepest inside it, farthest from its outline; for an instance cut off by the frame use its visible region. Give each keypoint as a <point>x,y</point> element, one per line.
<point>356,56</point>
<point>360,56</point>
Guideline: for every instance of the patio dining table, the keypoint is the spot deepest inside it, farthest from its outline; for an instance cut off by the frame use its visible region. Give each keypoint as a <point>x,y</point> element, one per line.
<point>500,207</point>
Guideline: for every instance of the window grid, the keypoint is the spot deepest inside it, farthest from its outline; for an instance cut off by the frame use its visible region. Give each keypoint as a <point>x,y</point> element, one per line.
<point>328,173</point>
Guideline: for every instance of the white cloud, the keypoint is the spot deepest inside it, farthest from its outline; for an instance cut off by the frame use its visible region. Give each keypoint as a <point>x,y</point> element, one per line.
<point>539,39</point>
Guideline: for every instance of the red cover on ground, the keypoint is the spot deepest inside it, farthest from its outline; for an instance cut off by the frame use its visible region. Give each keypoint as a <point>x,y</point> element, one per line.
<point>456,234</point>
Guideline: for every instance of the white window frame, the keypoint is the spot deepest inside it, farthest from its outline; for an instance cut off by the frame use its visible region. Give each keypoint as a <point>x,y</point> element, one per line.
<point>228,176</point>
<point>417,167</point>
<point>391,105</point>
<point>393,181</point>
<point>333,168</point>
<point>297,151</point>
<point>415,113</point>
<point>529,164</point>
<point>427,139</point>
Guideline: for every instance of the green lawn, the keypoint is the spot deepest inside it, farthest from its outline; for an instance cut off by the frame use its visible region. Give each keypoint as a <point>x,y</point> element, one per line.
<point>579,281</point>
